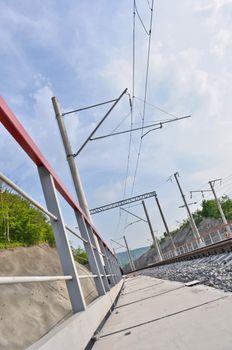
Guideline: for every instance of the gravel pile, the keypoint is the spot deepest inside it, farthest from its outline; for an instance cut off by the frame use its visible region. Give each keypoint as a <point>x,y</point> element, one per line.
<point>214,271</point>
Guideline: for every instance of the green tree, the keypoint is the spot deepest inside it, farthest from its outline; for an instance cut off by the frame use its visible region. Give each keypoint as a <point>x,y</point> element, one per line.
<point>26,224</point>
<point>210,209</point>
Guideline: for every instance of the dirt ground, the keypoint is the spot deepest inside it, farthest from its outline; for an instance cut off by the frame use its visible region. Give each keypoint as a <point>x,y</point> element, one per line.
<point>28,311</point>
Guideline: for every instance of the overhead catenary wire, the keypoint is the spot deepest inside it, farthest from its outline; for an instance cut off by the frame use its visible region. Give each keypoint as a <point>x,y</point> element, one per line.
<point>131,100</point>
<point>128,156</point>
<point>145,95</point>
<point>222,188</point>
<point>120,123</point>
<point>148,62</point>
<point>131,113</point>
<point>140,18</point>
<point>148,4</point>
<point>156,107</point>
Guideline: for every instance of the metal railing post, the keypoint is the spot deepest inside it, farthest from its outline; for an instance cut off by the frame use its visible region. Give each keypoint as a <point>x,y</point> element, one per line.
<point>62,243</point>
<point>107,264</point>
<point>114,267</point>
<point>117,269</point>
<point>108,254</point>
<point>99,259</point>
<point>90,252</point>
<point>118,265</point>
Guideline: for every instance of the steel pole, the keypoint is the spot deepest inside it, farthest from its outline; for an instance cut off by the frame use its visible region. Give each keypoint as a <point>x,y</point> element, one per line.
<point>192,221</point>
<point>129,255</point>
<point>70,158</point>
<point>225,222</point>
<point>152,232</point>
<point>165,223</point>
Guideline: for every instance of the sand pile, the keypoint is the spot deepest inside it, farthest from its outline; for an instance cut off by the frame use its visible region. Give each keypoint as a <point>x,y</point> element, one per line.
<point>28,311</point>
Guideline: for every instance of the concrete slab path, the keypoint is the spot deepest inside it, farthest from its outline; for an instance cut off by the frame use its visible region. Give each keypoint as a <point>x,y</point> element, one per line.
<point>164,315</point>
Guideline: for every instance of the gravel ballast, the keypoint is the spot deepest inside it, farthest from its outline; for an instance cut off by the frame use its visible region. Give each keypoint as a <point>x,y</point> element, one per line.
<point>214,271</point>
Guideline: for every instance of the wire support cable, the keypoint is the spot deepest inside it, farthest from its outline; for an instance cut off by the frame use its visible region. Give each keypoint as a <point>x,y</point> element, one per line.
<point>158,108</point>
<point>129,149</point>
<point>145,98</point>
<point>140,19</point>
<point>131,100</point>
<point>148,62</point>
<point>120,123</point>
<point>149,4</point>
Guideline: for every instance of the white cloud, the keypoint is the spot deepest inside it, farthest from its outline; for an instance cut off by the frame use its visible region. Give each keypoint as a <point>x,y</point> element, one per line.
<point>85,56</point>
<point>222,42</point>
<point>212,5</point>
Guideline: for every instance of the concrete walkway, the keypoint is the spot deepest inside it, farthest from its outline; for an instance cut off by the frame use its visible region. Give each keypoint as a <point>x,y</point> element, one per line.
<point>164,315</point>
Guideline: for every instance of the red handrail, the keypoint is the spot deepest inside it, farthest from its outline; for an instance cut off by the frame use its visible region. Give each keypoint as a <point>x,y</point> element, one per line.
<point>15,128</point>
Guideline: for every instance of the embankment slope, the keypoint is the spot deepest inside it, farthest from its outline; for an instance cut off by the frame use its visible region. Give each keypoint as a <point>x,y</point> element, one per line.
<point>28,311</point>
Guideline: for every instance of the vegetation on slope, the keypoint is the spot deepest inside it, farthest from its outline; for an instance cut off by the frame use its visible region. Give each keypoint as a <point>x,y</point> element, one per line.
<point>209,210</point>
<point>80,255</point>
<point>23,225</point>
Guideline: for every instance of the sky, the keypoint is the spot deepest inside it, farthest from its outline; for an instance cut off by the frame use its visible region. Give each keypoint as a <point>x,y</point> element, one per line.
<point>81,52</point>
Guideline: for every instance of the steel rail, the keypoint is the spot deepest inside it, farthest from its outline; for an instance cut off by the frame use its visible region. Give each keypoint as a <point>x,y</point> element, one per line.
<point>211,249</point>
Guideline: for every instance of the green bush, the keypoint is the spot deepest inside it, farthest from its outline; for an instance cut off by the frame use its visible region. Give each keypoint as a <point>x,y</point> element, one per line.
<point>21,223</point>
<point>80,255</point>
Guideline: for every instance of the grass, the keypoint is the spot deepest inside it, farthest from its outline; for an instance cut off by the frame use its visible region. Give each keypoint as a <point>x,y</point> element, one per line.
<point>5,245</point>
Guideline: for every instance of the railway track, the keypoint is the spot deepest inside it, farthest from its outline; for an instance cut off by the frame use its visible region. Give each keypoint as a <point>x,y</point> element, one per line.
<point>212,249</point>
<point>210,265</point>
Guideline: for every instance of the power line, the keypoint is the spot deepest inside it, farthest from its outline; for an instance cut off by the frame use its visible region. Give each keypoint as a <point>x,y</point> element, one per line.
<point>133,57</point>
<point>158,108</point>
<point>139,111</point>
<point>128,156</point>
<point>148,61</point>
<point>135,10</point>
<point>140,18</point>
<point>131,103</point>
<point>145,96</point>
<point>148,4</point>
<point>131,107</point>
<point>120,123</point>
<point>226,185</point>
<point>136,216</point>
